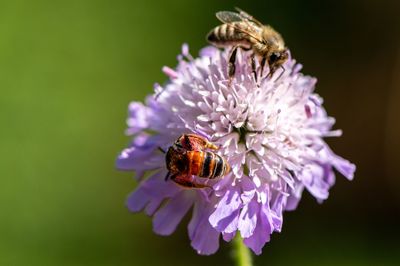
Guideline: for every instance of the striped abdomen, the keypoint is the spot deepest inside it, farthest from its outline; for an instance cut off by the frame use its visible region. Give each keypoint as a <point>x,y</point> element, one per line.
<point>228,34</point>
<point>206,164</point>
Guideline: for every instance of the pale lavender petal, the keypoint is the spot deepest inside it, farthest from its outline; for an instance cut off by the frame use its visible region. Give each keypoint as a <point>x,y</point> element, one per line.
<point>313,179</point>
<point>261,234</point>
<point>142,155</point>
<point>205,239</point>
<point>227,210</point>
<point>344,167</point>
<point>248,219</point>
<point>135,158</point>
<point>295,197</point>
<point>185,49</point>
<point>208,51</point>
<point>170,72</point>
<point>137,200</point>
<point>168,217</point>
<point>277,205</point>
<point>151,191</point>
<point>152,206</point>
<point>228,236</point>
<point>248,190</point>
<point>138,117</point>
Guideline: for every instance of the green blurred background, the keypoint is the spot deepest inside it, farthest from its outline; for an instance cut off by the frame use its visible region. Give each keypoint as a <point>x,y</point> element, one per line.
<point>68,70</point>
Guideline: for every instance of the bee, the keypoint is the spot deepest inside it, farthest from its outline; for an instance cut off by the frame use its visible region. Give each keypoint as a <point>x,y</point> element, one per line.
<point>188,157</point>
<point>193,142</point>
<point>241,30</point>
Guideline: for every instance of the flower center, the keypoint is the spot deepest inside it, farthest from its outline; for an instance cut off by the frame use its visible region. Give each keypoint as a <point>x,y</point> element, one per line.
<point>242,131</point>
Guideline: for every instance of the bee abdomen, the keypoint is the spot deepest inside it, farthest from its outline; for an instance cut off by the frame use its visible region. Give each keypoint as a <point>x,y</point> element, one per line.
<point>214,166</point>
<point>196,162</point>
<point>225,33</point>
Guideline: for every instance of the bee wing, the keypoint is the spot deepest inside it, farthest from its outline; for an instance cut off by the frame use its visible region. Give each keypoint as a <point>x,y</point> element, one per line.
<point>247,16</point>
<point>228,16</point>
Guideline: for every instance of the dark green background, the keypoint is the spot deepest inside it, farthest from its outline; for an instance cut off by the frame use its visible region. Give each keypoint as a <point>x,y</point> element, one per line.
<point>68,70</point>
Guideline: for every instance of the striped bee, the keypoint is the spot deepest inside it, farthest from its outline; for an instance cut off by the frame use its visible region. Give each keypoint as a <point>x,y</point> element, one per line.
<point>241,30</point>
<point>188,157</point>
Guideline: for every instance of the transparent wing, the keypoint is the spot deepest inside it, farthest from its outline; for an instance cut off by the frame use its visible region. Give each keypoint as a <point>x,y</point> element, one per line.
<point>246,16</point>
<point>251,29</point>
<point>228,16</point>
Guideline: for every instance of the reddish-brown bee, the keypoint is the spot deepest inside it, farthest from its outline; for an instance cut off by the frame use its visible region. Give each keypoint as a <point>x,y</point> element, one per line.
<point>193,142</point>
<point>188,156</point>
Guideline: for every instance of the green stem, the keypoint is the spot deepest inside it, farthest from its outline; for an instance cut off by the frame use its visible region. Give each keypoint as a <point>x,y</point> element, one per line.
<point>242,254</point>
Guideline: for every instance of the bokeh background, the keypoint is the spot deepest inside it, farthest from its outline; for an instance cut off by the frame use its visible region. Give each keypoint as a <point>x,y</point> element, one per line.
<point>68,70</point>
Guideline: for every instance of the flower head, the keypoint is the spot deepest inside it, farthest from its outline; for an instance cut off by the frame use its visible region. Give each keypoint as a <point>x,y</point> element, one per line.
<point>271,133</point>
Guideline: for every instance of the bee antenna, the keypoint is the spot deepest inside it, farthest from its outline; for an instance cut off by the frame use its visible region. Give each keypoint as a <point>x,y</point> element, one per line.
<point>161,149</point>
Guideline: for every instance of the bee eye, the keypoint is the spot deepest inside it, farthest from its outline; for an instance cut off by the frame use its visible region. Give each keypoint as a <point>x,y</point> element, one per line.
<point>274,57</point>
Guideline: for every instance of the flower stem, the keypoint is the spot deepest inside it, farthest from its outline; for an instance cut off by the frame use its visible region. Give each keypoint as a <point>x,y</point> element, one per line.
<point>242,254</point>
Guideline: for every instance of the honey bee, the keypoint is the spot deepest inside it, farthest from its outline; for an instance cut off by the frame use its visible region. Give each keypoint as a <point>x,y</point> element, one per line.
<point>187,157</point>
<point>241,30</point>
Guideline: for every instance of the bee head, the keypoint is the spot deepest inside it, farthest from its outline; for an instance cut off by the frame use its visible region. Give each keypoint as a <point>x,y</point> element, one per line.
<point>176,159</point>
<point>276,59</point>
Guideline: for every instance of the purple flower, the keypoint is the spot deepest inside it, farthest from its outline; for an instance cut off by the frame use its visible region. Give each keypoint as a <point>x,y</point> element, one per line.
<point>271,133</point>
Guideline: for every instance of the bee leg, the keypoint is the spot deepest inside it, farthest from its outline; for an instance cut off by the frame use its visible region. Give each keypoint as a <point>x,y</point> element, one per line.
<point>262,63</point>
<point>283,71</point>
<point>253,68</point>
<point>231,64</point>
<point>182,180</point>
<point>168,176</point>
<point>186,181</point>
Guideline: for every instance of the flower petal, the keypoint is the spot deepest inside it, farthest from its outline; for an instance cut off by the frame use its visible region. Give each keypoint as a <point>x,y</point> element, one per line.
<point>227,210</point>
<point>151,191</point>
<point>141,155</point>
<point>168,217</point>
<point>248,219</point>
<point>205,239</point>
<point>138,117</point>
<point>344,167</point>
<point>294,197</point>
<point>261,233</point>
<point>228,236</point>
<point>313,179</point>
